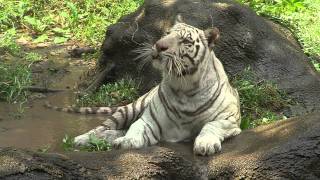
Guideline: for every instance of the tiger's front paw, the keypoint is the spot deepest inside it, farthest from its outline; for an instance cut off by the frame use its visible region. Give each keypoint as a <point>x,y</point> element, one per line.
<point>206,145</point>
<point>128,143</point>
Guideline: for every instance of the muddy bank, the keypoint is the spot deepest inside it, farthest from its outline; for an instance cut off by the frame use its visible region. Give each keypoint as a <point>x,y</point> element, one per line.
<point>285,149</point>
<point>37,127</point>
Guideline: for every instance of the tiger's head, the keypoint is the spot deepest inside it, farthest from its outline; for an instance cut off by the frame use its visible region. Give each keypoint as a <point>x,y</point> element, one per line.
<point>182,49</point>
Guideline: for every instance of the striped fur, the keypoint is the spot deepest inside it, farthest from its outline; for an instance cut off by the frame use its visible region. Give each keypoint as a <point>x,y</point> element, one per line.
<point>194,99</point>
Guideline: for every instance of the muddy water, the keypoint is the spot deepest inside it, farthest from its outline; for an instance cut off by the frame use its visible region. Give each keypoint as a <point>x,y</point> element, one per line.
<point>40,127</point>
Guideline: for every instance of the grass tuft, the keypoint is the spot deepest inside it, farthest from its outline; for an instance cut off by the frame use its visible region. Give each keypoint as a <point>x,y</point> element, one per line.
<point>84,20</point>
<point>13,81</point>
<point>118,93</point>
<point>261,102</point>
<point>94,144</point>
<point>8,43</point>
<point>33,57</point>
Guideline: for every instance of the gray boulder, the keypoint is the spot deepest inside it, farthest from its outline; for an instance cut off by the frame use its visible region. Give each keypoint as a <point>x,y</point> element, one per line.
<point>246,40</point>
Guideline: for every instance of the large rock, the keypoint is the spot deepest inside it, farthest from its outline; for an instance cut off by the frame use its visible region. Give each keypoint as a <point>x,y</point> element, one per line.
<point>246,40</point>
<point>288,149</point>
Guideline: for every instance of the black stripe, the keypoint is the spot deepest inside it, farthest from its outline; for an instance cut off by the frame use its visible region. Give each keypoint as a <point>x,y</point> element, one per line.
<point>127,116</point>
<point>114,120</point>
<point>133,105</point>
<point>167,112</point>
<point>206,105</point>
<point>190,71</point>
<point>142,104</point>
<point>155,137</point>
<point>113,109</point>
<point>122,113</point>
<point>171,109</point>
<point>155,119</point>
<point>197,90</point>
<point>197,51</point>
<point>146,139</point>
<point>176,94</point>
<point>203,55</point>
<point>94,110</point>
<point>214,118</point>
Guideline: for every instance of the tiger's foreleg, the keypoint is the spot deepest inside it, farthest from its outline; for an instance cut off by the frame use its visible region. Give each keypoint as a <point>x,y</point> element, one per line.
<point>140,134</point>
<point>213,134</point>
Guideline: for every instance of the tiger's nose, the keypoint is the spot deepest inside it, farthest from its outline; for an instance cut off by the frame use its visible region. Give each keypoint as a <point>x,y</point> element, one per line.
<point>161,46</point>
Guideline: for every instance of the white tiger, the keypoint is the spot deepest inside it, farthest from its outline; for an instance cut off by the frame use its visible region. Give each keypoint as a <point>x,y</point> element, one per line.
<point>193,100</point>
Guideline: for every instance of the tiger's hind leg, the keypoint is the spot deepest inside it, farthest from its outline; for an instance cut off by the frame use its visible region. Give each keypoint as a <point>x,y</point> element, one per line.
<point>213,134</point>
<point>122,118</point>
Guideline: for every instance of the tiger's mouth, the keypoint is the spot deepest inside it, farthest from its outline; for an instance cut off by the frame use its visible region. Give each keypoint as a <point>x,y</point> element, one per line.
<point>168,64</point>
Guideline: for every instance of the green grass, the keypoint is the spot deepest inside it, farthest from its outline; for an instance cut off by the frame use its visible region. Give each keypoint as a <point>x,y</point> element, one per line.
<point>7,42</point>
<point>13,81</point>
<point>316,65</point>
<point>53,21</point>
<point>33,57</point>
<point>94,144</point>
<point>117,93</point>
<point>260,101</point>
<point>301,16</point>
<point>59,21</point>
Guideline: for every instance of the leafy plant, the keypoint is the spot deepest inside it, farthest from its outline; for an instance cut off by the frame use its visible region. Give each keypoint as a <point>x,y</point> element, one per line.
<point>94,144</point>
<point>68,143</point>
<point>261,102</point>
<point>33,57</point>
<point>316,65</point>
<point>86,20</point>
<point>118,93</point>
<point>34,23</point>
<point>42,38</point>
<point>13,82</point>
<point>8,43</point>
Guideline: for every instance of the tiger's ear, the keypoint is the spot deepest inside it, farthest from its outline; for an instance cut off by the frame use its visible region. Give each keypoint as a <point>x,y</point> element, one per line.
<point>212,36</point>
<point>178,19</point>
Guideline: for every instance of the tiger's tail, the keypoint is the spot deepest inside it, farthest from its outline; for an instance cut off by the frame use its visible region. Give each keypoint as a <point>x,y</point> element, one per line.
<point>118,117</point>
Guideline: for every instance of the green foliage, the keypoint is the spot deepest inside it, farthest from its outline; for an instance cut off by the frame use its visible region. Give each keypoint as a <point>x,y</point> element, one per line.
<point>33,57</point>
<point>34,23</point>
<point>8,43</point>
<point>118,93</point>
<point>301,16</point>
<point>260,101</point>
<point>86,20</point>
<point>68,143</point>
<point>13,81</point>
<point>94,144</point>
<point>316,65</point>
